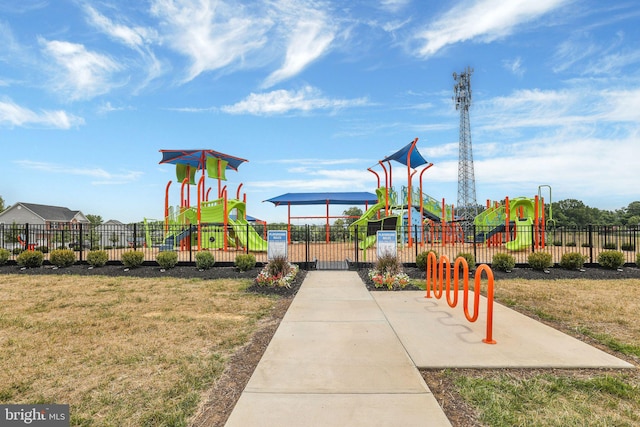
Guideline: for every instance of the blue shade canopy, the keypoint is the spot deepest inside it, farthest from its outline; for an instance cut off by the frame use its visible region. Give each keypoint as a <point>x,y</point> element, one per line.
<point>402,156</point>
<point>198,158</point>
<point>353,198</point>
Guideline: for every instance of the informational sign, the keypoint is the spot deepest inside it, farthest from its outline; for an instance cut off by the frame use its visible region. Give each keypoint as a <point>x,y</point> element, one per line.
<point>276,244</point>
<point>386,242</point>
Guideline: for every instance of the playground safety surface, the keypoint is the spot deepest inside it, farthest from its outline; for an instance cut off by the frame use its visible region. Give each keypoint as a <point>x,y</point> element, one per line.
<point>345,356</point>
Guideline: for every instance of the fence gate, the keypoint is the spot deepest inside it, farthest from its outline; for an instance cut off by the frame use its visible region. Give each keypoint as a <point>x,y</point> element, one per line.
<point>322,248</point>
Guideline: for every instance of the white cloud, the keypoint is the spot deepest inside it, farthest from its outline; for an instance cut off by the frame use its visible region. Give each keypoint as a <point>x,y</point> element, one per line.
<point>84,74</point>
<point>13,114</point>
<point>482,20</point>
<point>213,35</point>
<point>394,5</point>
<point>133,37</point>
<point>309,36</point>
<point>514,66</point>
<point>99,175</point>
<point>284,101</point>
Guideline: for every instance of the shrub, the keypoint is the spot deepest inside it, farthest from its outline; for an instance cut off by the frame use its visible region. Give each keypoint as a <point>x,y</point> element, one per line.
<point>167,259</point>
<point>97,258</point>
<point>132,259</point>
<point>245,262</point>
<point>205,260</point>
<point>43,249</point>
<point>278,266</point>
<point>30,259</point>
<point>628,247</point>
<point>471,260</point>
<point>421,259</point>
<point>277,273</point>
<point>572,261</point>
<point>586,245</point>
<point>638,260</point>
<point>388,272</point>
<point>611,259</point>
<point>557,243</point>
<point>610,246</point>
<point>571,244</point>
<point>17,251</point>
<point>540,260</point>
<point>62,257</point>
<point>503,262</point>
<point>388,264</point>
<point>5,254</point>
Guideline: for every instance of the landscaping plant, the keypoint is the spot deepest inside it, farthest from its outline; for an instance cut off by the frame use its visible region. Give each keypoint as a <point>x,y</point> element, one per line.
<point>245,262</point>
<point>205,260</point>
<point>132,259</point>
<point>421,259</point>
<point>503,262</point>
<point>30,259</point>
<point>388,273</point>
<point>5,254</point>
<point>277,273</point>
<point>572,261</point>
<point>167,259</point>
<point>62,257</point>
<point>540,260</point>
<point>611,259</point>
<point>97,258</point>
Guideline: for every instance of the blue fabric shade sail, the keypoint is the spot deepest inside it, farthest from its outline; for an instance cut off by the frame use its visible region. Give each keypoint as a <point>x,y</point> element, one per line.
<point>349,198</point>
<point>198,158</point>
<point>402,156</point>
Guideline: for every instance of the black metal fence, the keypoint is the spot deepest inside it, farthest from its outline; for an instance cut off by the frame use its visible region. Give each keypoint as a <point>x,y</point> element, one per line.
<point>320,246</point>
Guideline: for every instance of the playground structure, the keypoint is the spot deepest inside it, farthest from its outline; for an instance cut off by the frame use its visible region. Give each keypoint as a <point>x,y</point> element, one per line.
<point>219,223</point>
<point>508,223</point>
<point>517,223</point>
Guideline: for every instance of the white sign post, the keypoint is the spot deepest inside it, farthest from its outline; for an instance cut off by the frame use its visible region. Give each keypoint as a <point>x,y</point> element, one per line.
<point>276,244</point>
<point>386,243</point>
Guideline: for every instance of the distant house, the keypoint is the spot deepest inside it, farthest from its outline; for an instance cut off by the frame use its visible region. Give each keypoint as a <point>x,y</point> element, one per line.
<point>52,217</point>
<point>43,220</point>
<point>113,233</point>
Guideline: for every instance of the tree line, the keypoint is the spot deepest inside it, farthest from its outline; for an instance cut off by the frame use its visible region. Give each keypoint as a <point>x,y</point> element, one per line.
<point>565,213</point>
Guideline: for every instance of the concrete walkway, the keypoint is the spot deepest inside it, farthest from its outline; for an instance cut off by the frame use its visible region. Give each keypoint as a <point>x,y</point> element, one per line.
<point>343,356</point>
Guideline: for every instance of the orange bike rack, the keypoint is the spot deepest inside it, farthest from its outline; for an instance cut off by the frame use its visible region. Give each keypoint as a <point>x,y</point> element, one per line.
<point>436,272</point>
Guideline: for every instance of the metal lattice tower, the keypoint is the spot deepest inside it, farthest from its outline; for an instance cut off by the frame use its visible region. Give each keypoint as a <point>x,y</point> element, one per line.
<point>467,207</point>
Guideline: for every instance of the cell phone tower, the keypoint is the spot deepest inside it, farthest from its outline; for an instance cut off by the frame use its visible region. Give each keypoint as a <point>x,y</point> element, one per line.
<point>467,208</point>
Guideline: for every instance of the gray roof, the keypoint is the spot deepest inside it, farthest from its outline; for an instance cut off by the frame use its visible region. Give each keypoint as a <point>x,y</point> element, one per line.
<point>51,213</point>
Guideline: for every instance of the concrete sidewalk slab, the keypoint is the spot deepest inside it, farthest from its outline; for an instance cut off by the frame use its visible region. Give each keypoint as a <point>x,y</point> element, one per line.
<point>335,361</point>
<point>438,336</point>
<point>322,410</point>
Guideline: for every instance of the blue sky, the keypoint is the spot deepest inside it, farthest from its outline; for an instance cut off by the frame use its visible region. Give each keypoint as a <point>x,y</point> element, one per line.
<point>313,93</point>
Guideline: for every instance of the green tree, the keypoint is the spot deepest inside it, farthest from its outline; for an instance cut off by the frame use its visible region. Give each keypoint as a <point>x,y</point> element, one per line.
<point>95,220</point>
<point>354,213</point>
<point>1,204</point>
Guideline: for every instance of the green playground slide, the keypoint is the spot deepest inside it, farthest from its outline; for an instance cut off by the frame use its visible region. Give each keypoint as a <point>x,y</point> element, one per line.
<point>247,235</point>
<point>362,225</point>
<point>523,238</point>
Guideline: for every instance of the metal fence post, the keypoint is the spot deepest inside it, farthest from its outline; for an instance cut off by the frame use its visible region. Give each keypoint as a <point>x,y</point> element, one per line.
<point>590,235</point>
<point>81,241</point>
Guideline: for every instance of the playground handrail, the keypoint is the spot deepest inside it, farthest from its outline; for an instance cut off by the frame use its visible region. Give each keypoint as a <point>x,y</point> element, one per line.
<point>435,274</point>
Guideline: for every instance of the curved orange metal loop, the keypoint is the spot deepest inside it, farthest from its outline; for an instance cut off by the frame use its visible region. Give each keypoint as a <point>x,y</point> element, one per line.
<point>485,268</point>
<point>435,277</point>
<point>456,279</point>
<point>441,270</point>
<point>432,273</point>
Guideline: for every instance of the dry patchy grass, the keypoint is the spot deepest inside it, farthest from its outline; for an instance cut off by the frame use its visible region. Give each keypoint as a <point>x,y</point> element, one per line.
<point>120,351</point>
<point>607,310</point>
<point>605,313</point>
